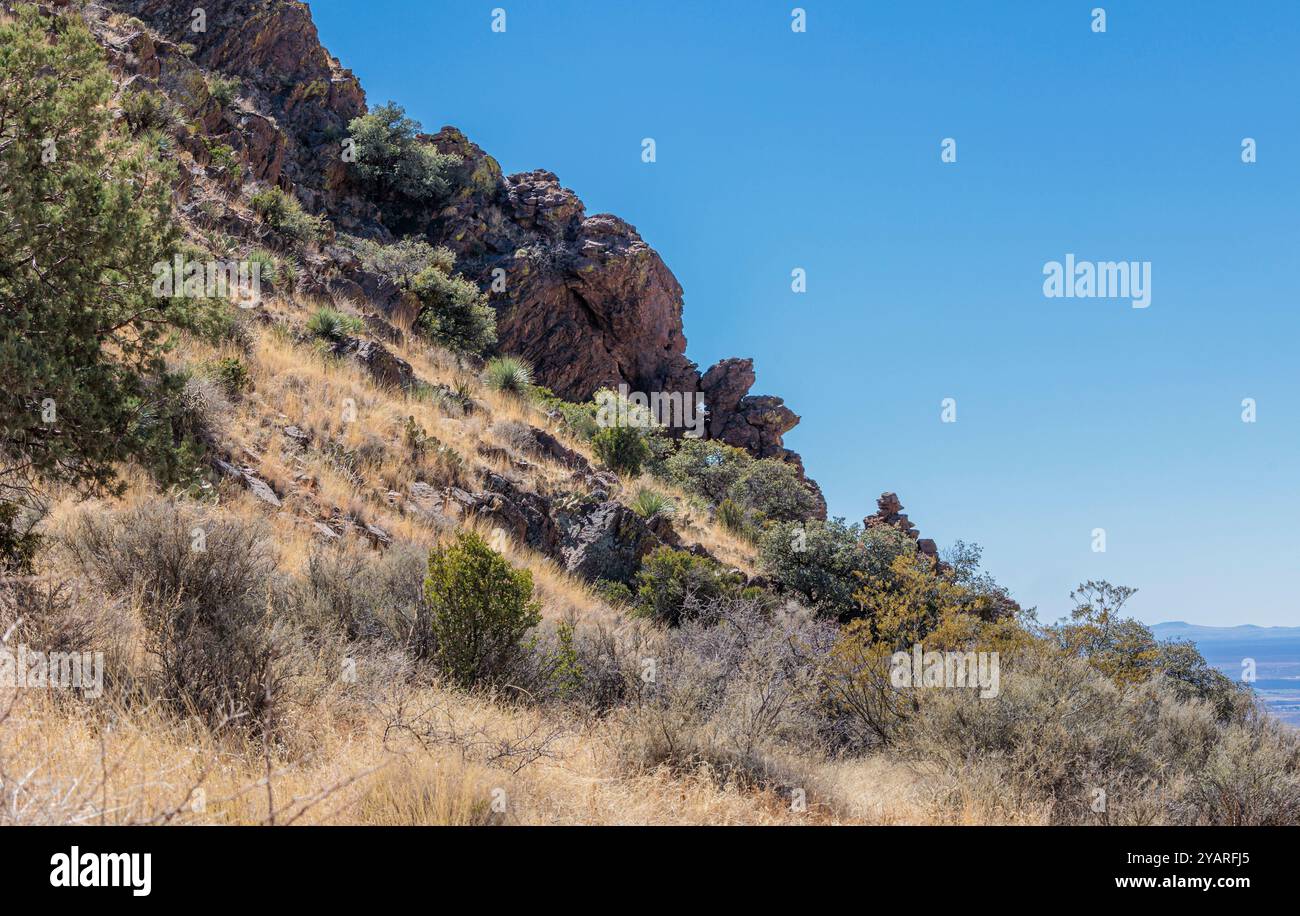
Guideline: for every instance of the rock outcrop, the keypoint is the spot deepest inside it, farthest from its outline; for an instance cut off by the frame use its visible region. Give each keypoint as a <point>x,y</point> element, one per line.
<point>583,297</point>
<point>890,514</point>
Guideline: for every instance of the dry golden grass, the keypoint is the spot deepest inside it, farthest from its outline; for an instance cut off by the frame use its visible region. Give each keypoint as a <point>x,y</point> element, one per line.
<point>352,756</point>
<point>70,765</point>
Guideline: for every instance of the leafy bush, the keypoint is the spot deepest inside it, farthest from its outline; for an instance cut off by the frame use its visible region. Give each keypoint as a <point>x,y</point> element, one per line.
<point>478,609</point>
<point>819,562</point>
<point>1127,652</point>
<point>579,419</point>
<point>332,325</point>
<point>392,162</point>
<point>148,111</point>
<point>706,468</point>
<point>18,540</point>
<point>223,89</point>
<point>613,593</point>
<point>231,374</point>
<point>402,261</point>
<point>283,213</point>
<point>674,585</point>
<point>454,313</point>
<point>622,449</point>
<point>770,490</point>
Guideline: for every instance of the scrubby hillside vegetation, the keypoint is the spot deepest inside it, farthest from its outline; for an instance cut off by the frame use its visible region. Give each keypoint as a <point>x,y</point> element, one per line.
<point>341,512</point>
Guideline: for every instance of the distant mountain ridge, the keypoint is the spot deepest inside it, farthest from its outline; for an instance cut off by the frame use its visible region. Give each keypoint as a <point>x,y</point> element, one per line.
<point>1178,629</point>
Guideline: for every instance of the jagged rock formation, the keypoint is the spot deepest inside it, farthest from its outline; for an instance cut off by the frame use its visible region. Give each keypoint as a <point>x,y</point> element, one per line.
<point>890,514</point>
<point>302,98</point>
<point>586,300</point>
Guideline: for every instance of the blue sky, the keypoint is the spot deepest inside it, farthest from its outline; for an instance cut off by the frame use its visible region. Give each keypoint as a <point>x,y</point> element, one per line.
<point>821,150</point>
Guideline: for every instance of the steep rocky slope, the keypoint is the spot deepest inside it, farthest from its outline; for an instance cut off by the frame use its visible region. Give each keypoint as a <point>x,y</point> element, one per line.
<point>586,300</point>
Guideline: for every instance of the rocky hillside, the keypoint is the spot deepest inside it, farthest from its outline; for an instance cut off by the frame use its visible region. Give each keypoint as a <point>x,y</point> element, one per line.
<point>585,299</point>
<point>344,569</point>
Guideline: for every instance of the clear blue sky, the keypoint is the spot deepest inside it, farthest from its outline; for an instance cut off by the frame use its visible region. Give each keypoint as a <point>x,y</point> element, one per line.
<point>779,150</point>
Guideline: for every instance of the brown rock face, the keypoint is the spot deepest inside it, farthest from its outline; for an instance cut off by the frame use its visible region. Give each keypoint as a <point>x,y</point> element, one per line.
<point>273,47</point>
<point>584,299</point>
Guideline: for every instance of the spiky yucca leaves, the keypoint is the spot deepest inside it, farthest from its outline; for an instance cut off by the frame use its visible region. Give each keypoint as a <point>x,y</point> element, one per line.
<point>509,375</point>
<point>649,504</point>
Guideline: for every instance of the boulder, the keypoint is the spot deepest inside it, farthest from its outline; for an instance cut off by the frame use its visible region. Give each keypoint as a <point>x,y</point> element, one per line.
<point>378,360</point>
<point>604,541</point>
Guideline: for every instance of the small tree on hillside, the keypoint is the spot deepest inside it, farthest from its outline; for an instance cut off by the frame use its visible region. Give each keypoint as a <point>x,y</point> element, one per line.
<point>478,610</point>
<point>392,162</point>
<point>86,216</point>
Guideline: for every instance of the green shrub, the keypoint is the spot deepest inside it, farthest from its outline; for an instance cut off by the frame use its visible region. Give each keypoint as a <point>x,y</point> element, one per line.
<point>616,594</point>
<point>770,490</point>
<point>821,562</point>
<point>332,325</point>
<point>18,541</point>
<point>673,585</point>
<point>223,89</point>
<point>508,374</point>
<point>392,162</point>
<point>623,449</point>
<point>732,518</point>
<point>478,610</point>
<point>283,213</point>
<point>231,374</point>
<point>454,313</point>
<point>402,261</point>
<point>579,419</point>
<point>147,111</point>
<point>565,666</point>
<point>706,468</point>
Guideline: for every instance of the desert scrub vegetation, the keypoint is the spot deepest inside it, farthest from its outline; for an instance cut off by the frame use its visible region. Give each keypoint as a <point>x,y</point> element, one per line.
<point>392,164</point>
<point>344,645</point>
<point>331,325</point>
<point>203,587</point>
<point>283,213</point>
<point>478,610</point>
<point>622,449</point>
<point>674,585</point>
<point>452,312</point>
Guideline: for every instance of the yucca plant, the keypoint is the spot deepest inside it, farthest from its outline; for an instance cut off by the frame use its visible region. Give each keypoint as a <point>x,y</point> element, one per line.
<point>509,375</point>
<point>649,504</point>
<point>732,517</point>
<point>331,324</point>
